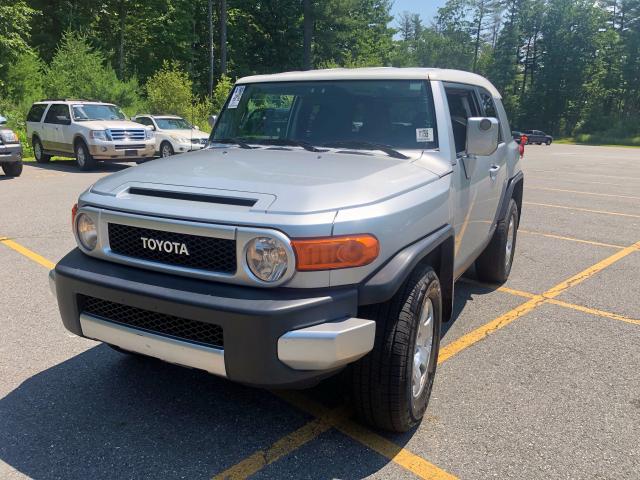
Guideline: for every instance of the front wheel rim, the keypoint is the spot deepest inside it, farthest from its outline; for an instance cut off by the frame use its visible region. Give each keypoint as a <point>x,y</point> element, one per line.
<point>166,152</point>
<point>422,349</point>
<point>37,151</point>
<point>81,156</point>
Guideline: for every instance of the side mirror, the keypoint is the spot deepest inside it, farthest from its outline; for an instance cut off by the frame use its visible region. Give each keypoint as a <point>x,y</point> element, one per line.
<point>212,120</point>
<point>196,127</point>
<point>482,135</point>
<point>62,120</point>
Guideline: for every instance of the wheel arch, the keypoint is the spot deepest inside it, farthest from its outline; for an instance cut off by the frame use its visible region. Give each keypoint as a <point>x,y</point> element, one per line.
<point>435,250</point>
<point>79,137</point>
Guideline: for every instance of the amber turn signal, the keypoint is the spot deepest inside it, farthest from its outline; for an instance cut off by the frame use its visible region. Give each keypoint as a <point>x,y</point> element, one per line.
<point>330,253</point>
<point>74,212</point>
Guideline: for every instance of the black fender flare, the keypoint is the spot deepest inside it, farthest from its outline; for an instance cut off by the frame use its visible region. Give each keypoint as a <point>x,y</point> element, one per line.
<point>438,246</point>
<point>517,179</point>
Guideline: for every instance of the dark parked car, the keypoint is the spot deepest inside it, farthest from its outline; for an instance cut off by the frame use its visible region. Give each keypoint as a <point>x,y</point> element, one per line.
<point>538,137</point>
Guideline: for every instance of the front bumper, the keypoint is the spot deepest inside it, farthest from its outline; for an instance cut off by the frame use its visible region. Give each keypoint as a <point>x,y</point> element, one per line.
<point>118,150</point>
<point>272,337</point>
<point>10,153</point>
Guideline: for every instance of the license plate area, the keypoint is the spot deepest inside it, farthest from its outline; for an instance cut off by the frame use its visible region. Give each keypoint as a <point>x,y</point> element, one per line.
<point>130,153</point>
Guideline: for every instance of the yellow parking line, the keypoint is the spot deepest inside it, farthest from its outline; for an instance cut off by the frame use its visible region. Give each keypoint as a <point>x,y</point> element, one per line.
<point>571,239</point>
<point>287,444</point>
<point>580,192</point>
<point>594,311</point>
<point>591,271</point>
<point>603,212</point>
<point>505,319</point>
<point>397,454</point>
<point>27,253</point>
<point>573,306</point>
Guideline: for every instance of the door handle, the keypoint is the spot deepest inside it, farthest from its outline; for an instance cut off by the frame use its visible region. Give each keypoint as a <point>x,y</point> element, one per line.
<point>493,171</point>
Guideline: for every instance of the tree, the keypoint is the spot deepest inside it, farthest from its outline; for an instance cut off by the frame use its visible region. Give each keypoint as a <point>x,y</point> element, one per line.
<point>77,70</point>
<point>14,31</point>
<point>307,11</point>
<point>169,90</point>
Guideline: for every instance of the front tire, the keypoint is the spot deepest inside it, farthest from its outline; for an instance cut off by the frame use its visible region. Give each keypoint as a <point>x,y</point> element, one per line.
<point>494,263</point>
<point>166,150</point>
<point>391,386</point>
<point>38,151</point>
<point>12,169</point>
<point>83,158</point>
<point>548,142</point>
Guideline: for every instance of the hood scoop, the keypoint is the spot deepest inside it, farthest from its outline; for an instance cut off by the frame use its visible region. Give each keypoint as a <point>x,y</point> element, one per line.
<point>193,197</point>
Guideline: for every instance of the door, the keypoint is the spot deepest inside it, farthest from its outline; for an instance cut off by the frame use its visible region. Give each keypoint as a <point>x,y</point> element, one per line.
<point>494,166</point>
<point>56,119</point>
<point>479,179</point>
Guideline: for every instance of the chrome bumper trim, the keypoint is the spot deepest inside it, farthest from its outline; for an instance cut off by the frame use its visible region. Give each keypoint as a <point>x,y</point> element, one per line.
<point>328,345</point>
<point>165,348</point>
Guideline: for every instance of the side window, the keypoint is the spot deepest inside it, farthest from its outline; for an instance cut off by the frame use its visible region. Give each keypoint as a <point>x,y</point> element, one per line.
<point>35,114</point>
<point>144,121</point>
<point>58,114</point>
<point>462,105</point>
<point>489,107</point>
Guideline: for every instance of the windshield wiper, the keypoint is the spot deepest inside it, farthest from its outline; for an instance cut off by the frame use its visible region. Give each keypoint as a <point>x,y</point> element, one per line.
<point>237,141</point>
<point>363,145</point>
<point>290,142</point>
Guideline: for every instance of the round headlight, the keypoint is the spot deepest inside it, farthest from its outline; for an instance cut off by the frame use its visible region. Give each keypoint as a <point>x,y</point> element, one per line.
<point>267,258</point>
<point>87,233</point>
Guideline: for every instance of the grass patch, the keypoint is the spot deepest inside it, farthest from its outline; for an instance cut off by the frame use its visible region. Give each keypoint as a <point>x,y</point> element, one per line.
<point>601,140</point>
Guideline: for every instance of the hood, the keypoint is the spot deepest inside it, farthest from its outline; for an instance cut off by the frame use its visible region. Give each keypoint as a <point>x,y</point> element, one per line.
<point>193,133</point>
<point>296,181</point>
<point>105,124</point>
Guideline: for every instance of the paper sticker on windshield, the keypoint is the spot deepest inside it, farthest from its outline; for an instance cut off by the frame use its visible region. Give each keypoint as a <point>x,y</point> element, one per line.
<point>424,134</point>
<point>235,98</point>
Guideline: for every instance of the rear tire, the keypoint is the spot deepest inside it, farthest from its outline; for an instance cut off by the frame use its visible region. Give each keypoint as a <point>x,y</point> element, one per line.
<point>12,169</point>
<point>38,151</point>
<point>494,263</point>
<point>391,386</point>
<point>548,142</point>
<point>83,158</point>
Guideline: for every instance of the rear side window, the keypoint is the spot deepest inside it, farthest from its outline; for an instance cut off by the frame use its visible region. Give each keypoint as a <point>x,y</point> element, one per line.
<point>58,113</point>
<point>489,107</point>
<point>145,121</point>
<point>35,114</point>
<point>462,105</point>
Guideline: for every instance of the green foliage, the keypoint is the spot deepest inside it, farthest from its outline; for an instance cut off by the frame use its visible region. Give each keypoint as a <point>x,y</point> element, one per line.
<point>79,71</point>
<point>15,29</point>
<point>571,67</point>
<point>169,90</point>
<point>220,93</point>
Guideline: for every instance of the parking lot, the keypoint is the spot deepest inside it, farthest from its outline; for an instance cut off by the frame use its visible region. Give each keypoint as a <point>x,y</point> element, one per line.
<point>538,378</point>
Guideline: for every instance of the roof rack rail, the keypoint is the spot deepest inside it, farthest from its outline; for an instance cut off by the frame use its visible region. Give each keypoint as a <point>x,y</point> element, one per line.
<point>70,100</point>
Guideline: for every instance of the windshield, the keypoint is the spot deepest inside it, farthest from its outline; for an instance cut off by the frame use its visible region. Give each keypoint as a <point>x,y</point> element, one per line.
<point>96,112</point>
<point>356,113</point>
<point>172,124</point>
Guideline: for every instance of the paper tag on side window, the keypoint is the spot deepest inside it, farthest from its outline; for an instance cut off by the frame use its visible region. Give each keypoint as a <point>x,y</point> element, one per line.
<point>424,134</point>
<point>235,98</point>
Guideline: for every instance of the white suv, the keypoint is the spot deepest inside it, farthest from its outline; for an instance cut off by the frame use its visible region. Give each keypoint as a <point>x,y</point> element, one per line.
<point>173,134</point>
<point>86,131</point>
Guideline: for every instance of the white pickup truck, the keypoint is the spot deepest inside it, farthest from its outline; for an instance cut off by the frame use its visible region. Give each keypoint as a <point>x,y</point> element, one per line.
<point>322,228</point>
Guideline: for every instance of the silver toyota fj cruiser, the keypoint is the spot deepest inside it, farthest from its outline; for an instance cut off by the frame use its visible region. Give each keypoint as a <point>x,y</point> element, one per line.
<point>323,227</point>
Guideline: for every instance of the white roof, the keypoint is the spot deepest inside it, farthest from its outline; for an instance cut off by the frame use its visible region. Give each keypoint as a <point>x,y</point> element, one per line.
<point>377,73</point>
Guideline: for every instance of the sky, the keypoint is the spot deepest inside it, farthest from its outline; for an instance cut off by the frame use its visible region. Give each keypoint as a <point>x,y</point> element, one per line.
<point>426,8</point>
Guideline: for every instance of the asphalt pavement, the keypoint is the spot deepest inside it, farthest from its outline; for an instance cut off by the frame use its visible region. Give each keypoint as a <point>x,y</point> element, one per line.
<point>538,378</point>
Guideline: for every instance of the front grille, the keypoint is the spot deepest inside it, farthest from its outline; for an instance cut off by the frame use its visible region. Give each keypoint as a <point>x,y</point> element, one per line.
<point>120,134</point>
<point>204,253</point>
<point>160,323</point>
<point>129,146</point>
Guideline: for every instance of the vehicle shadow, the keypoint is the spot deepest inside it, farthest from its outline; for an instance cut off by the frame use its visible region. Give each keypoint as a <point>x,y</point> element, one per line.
<point>70,166</point>
<point>105,415</point>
